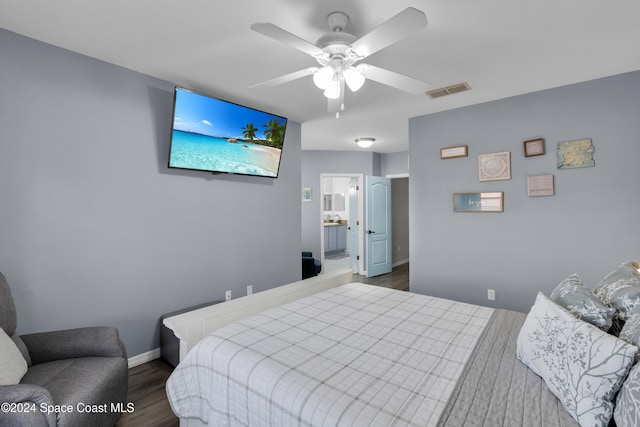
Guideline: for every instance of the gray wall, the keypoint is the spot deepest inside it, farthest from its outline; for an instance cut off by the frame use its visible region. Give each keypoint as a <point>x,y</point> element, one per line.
<point>94,229</point>
<point>395,163</point>
<point>589,226</point>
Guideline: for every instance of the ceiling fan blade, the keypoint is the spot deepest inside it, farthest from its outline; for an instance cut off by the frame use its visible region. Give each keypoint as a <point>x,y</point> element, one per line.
<point>337,105</point>
<point>287,38</point>
<point>400,26</point>
<point>287,77</point>
<point>389,78</point>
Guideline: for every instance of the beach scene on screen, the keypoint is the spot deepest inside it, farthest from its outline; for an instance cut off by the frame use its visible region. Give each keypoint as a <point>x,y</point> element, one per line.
<point>214,135</point>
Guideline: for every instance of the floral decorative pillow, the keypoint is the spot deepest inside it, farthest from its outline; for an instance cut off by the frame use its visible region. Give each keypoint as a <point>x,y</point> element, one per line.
<point>631,330</point>
<point>620,289</point>
<point>572,295</point>
<point>582,365</point>
<point>627,412</point>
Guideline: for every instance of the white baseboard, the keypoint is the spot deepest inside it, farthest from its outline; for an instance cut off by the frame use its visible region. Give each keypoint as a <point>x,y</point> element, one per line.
<point>394,265</point>
<point>402,261</point>
<point>139,359</point>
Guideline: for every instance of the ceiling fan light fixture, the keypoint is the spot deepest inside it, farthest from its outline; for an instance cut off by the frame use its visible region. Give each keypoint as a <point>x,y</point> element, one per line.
<point>323,77</point>
<point>365,142</point>
<point>353,78</point>
<point>338,51</point>
<point>332,91</point>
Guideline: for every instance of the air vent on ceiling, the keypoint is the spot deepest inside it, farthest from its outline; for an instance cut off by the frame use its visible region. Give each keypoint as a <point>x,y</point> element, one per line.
<point>449,90</point>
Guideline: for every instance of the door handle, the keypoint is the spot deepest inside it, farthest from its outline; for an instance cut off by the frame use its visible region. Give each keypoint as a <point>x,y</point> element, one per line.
<point>371,232</point>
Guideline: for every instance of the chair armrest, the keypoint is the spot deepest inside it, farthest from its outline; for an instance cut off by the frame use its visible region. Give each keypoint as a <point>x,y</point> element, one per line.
<point>26,405</point>
<point>99,341</point>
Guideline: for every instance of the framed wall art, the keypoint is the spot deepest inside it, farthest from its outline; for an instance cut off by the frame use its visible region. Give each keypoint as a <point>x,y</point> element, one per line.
<point>540,185</point>
<point>494,166</point>
<point>575,154</point>
<point>454,152</point>
<point>534,147</point>
<point>307,194</point>
<point>491,201</point>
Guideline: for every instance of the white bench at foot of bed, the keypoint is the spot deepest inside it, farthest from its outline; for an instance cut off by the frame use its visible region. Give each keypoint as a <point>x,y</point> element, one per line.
<point>192,326</point>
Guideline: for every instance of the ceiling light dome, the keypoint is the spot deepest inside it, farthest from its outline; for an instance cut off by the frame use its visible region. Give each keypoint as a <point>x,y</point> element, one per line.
<point>365,142</point>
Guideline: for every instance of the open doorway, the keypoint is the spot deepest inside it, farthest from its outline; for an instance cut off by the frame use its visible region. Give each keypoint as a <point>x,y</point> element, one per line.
<point>341,222</point>
<point>400,218</point>
<point>331,184</point>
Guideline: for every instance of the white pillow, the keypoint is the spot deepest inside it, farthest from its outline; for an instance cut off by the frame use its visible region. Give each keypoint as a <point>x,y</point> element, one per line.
<point>627,412</point>
<point>582,365</point>
<point>12,363</point>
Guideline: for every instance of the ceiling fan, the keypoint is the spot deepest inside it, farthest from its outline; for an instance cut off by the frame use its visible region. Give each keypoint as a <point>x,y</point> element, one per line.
<point>338,53</point>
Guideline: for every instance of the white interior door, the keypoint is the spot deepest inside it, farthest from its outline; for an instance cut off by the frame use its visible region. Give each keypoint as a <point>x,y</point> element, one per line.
<point>378,225</point>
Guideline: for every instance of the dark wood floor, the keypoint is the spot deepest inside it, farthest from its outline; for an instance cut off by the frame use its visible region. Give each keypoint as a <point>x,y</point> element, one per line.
<point>397,279</point>
<point>147,393</point>
<point>147,381</point>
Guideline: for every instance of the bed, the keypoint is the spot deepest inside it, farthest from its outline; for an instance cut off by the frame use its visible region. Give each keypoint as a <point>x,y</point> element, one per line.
<point>337,353</point>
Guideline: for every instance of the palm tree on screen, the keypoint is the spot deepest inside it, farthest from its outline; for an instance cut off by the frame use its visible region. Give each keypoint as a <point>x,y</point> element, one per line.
<point>274,133</point>
<point>249,131</point>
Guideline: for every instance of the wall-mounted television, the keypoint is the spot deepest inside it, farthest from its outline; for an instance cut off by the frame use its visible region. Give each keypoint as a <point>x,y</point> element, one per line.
<point>212,135</point>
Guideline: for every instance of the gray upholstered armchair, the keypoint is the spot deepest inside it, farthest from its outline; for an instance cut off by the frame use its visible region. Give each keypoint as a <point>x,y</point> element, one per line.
<point>80,373</point>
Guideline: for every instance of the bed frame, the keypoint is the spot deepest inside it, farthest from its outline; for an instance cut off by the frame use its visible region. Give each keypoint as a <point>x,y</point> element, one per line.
<point>192,326</point>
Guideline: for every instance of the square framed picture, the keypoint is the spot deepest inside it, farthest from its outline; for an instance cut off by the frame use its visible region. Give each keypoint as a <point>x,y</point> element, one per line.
<point>534,147</point>
<point>540,185</point>
<point>494,166</point>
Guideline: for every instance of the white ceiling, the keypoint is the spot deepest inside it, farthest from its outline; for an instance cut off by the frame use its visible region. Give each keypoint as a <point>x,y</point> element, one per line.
<point>500,47</point>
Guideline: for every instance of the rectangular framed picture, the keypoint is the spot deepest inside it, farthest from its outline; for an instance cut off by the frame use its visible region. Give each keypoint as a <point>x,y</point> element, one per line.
<point>490,201</point>
<point>575,154</point>
<point>534,147</point>
<point>307,194</point>
<point>454,152</point>
<point>494,166</point>
<point>540,185</point>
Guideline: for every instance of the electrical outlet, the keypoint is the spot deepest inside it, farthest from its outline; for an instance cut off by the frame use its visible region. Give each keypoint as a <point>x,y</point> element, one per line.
<point>491,294</point>
<point>227,295</point>
<point>249,289</point>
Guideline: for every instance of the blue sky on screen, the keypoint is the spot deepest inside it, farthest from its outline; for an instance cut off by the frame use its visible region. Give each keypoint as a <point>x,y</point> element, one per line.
<point>213,117</point>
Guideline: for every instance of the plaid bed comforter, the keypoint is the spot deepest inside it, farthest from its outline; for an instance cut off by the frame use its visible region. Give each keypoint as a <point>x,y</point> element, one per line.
<point>355,355</point>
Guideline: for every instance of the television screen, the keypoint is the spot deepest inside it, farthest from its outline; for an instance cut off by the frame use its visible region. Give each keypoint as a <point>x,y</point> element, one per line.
<point>213,135</point>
